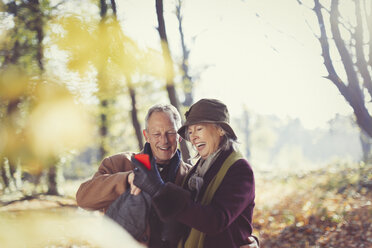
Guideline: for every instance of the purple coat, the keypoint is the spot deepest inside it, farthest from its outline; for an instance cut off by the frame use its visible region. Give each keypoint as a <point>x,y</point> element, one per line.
<point>227,220</point>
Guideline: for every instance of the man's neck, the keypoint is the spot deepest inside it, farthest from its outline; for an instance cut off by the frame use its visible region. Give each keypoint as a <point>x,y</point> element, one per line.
<point>162,163</point>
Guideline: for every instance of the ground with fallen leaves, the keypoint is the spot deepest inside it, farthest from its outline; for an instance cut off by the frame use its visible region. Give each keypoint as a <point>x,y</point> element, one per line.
<point>330,207</point>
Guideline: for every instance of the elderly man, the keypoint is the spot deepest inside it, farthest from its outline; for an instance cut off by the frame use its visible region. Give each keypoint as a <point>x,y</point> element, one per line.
<point>114,177</point>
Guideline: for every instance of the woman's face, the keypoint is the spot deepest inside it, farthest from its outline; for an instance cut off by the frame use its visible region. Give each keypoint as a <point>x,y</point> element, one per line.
<point>205,137</point>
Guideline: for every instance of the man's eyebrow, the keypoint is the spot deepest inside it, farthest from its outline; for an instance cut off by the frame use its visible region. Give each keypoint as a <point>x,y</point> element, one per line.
<point>159,131</point>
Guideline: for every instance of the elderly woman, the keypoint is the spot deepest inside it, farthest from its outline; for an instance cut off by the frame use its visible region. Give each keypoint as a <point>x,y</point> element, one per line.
<point>217,198</point>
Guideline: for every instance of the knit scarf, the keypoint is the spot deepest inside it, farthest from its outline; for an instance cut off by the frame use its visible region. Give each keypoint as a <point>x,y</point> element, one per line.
<point>172,166</point>
<point>196,180</point>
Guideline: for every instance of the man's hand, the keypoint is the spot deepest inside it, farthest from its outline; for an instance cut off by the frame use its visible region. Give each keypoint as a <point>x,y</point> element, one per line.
<point>147,180</point>
<point>134,190</point>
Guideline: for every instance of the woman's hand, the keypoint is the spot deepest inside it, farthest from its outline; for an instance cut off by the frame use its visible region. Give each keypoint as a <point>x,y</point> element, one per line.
<point>253,243</point>
<point>134,190</point>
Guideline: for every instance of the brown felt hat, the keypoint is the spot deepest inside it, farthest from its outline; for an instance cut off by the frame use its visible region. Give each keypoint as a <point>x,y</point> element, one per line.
<point>208,111</point>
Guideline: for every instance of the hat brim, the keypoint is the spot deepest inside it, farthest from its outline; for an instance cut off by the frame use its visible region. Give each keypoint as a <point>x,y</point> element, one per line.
<point>230,132</point>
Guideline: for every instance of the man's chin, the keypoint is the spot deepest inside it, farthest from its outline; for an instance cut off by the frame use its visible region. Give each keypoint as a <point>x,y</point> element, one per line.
<point>164,159</point>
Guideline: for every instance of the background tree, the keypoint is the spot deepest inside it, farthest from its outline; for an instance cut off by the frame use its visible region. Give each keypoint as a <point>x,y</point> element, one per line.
<point>24,49</point>
<point>11,50</point>
<point>33,103</point>
<point>187,80</point>
<point>189,76</point>
<point>119,63</point>
<point>351,47</point>
<point>103,79</point>
<point>169,69</point>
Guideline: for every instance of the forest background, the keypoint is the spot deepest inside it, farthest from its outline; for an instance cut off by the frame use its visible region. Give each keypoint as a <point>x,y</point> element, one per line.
<point>77,77</point>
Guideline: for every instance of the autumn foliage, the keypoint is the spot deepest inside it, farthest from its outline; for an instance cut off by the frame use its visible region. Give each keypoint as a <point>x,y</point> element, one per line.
<point>330,207</point>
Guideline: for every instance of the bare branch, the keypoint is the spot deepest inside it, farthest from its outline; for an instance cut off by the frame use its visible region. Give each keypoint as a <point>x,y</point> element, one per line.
<point>58,4</point>
<point>306,21</point>
<point>348,28</point>
<point>323,39</point>
<point>308,25</point>
<point>361,61</point>
<point>302,4</point>
<point>344,53</point>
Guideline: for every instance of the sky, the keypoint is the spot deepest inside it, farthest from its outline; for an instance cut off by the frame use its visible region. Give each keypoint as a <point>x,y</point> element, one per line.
<point>260,54</point>
<point>270,61</point>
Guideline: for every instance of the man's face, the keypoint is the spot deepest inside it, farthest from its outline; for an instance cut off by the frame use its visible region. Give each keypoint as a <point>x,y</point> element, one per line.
<point>162,136</point>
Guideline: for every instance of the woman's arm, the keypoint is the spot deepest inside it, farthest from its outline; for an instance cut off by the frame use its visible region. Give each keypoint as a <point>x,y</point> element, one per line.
<point>235,195</point>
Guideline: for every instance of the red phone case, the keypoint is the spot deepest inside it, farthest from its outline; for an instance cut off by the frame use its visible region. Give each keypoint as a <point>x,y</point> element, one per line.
<point>144,159</point>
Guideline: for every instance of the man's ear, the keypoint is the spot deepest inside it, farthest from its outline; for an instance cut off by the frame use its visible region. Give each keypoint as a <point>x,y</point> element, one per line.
<point>179,138</point>
<point>145,134</point>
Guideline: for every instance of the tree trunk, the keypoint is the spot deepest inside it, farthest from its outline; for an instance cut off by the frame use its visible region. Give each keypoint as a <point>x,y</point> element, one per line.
<point>354,93</point>
<point>136,124</point>
<point>39,25</point>
<point>4,176</point>
<point>52,181</point>
<point>369,26</point>
<point>39,29</point>
<point>12,106</point>
<point>104,103</point>
<point>186,78</point>
<point>113,7</point>
<point>169,70</point>
<point>361,59</point>
<point>11,111</point>
<point>103,8</point>
<point>366,146</point>
<point>103,128</point>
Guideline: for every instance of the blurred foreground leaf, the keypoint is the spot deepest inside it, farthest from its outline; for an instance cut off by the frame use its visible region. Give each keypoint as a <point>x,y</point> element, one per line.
<point>61,228</point>
<point>44,122</point>
<point>57,123</point>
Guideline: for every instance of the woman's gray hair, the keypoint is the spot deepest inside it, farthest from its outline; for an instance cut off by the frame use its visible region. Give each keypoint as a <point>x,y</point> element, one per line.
<point>227,143</point>
<point>166,108</point>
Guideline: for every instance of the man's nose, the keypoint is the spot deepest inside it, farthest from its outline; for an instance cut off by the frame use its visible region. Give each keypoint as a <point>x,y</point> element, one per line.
<point>164,138</point>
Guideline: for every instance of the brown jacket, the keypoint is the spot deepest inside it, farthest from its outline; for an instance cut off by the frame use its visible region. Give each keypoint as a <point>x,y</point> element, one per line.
<point>110,181</point>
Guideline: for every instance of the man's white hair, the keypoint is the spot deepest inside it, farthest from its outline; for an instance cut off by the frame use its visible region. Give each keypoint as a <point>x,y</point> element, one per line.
<point>166,108</point>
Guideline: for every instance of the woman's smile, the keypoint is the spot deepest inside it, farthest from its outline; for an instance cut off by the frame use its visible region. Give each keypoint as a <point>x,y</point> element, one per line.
<point>205,137</point>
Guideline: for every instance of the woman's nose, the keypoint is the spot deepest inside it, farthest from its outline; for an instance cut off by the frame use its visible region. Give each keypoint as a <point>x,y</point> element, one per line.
<point>192,137</point>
